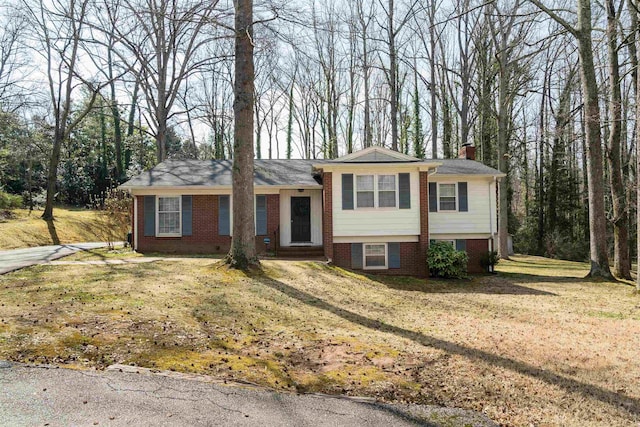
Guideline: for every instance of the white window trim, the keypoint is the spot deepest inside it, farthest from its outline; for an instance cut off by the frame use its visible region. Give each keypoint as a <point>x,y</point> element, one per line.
<point>455,187</point>
<point>158,234</point>
<point>364,257</point>
<point>376,201</point>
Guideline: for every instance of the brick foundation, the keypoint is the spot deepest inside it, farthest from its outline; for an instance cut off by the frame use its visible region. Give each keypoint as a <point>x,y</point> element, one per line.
<point>476,248</point>
<point>204,237</point>
<point>412,263</point>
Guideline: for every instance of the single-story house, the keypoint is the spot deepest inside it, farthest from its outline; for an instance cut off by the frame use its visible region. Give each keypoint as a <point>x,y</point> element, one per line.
<point>374,209</point>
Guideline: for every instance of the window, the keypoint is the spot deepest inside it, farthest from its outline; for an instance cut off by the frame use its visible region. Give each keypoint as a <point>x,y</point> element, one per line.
<point>375,256</point>
<point>365,191</point>
<point>387,191</point>
<point>376,191</point>
<point>169,221</point>
<point>447,196</point>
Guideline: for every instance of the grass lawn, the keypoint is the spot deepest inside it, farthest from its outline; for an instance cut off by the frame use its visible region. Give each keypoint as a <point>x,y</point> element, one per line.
<point>533,345</point>
<point>71,225</point>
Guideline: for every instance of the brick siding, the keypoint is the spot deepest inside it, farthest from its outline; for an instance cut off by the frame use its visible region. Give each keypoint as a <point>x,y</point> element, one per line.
<point>476,248</point>
<point>204,237</point>
<point>412,263</point>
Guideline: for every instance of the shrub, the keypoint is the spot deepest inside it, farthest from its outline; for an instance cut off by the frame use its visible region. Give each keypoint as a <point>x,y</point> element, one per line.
<point>489,261</point>
<point>444,261</point>
<point>114,219</point>
<point>10,201</point>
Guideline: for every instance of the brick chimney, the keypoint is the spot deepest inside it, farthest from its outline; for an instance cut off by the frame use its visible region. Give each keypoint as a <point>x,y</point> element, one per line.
<point>467,151</point>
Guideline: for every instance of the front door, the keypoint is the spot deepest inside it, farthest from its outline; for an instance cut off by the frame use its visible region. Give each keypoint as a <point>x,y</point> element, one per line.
<point>300,219</point>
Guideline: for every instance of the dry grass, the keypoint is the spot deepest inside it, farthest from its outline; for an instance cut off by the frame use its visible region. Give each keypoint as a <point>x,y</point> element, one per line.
<point>532,345</point>
<point>71,225</point>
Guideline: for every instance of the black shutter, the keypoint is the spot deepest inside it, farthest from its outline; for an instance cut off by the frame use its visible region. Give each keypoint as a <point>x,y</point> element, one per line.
<point>405,190</point>
<point>187,215</point>
<point>394,255</point>
<point>149,216</point>
<point>461,245</point>
<point>347,191</point>
<point>224,224</point>
<point>261,215</point>
<point>433,197</point>
<point>356,255</point>
<point>463,202</point>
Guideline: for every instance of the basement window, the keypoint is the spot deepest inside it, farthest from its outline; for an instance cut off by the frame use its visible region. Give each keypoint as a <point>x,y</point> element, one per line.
<point>375,256</point>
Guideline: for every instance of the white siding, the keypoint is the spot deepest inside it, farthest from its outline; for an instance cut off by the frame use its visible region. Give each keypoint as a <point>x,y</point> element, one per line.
<point>481,217</point>
<point>375,221</point>
<point>285,215</point>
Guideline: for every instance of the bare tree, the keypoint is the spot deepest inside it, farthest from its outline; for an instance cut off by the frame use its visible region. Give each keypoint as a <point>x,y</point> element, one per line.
<point>621,258</point>
<point>58,35</point>
<point>393,27</point>
<point>161,41</point>
<point>593,137</point>
<point>14,64</point>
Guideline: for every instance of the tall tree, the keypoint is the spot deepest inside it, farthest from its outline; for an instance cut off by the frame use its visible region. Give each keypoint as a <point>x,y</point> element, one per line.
<point>243,243</point>
<point>621,258</point>
<point>582,32</point>
<point>161,41</point>
<point>59,28</point>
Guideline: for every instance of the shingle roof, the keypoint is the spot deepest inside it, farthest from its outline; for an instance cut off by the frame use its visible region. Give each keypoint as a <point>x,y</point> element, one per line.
<point>464,167</point>
<point>295,172</point>
<point>213,173</point>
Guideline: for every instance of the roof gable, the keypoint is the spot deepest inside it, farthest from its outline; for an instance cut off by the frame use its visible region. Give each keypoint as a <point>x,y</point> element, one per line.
<point>375,155</point>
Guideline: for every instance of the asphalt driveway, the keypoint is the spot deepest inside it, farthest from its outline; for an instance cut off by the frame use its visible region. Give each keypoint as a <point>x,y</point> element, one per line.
<point>47,396</point>
<point>20,258</point>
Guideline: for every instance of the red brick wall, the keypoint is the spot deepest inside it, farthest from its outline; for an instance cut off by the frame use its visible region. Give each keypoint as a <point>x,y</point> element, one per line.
<point>327,215</point>
<point>411,261</point>
<point>204,237</point>
<point>476,248</point>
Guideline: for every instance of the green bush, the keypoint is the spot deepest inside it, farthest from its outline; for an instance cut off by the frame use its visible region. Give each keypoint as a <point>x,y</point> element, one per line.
<point>444,261</point>
<point>10,201</point>
<point>489,261</point>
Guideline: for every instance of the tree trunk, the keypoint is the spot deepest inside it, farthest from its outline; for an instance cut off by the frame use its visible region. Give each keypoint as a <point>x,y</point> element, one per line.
<point>622,261</point>
<point>115,114</point>
<point>593,136</point>
<point>243,244</point>
<point>503,145</point>
<point>595,175</point>
<point>52,175</point>
<point>393,86</point>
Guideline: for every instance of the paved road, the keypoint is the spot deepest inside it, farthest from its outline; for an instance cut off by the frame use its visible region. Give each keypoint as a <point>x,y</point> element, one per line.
<point>31,396</point>
<point>19,258</point>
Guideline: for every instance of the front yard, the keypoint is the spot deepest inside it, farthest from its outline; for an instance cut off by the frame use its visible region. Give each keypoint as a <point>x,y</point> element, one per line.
<point>532,345</point>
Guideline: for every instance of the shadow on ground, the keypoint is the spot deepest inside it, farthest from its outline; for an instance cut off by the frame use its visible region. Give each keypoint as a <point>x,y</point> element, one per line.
<point>615,399</point>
